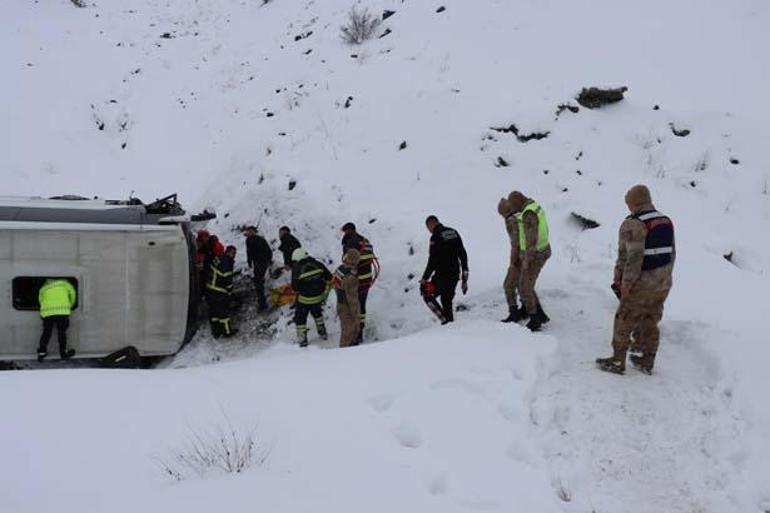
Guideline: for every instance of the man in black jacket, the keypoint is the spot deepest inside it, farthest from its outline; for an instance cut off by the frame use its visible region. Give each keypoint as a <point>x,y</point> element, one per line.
<point>220,289</point>
<point>288,244</point>
<point>259,257</point>
<point>446,260</point>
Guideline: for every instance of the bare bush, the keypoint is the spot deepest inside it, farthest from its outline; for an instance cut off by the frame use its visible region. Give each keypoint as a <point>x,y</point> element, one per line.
<point>223,449</point>
<point>359,27</point>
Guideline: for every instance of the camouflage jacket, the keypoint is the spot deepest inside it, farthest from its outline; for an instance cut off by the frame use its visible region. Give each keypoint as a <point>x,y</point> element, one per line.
<point>512,227</point>
<point>628,266</point>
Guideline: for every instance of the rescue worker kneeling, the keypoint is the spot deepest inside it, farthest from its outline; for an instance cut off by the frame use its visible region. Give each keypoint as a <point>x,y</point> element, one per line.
<point>310,281</point>
<point>220,291</point>
<point>346,286</point>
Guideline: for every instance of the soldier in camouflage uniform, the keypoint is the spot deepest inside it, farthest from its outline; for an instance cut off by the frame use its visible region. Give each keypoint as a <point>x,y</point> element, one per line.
<point>534,249</point>
<point>511,282</point>
<point>643,272</point>
<point>345,282</point>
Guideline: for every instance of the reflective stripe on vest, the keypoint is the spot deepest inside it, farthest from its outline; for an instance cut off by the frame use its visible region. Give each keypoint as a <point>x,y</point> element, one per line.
<point>310,274</point>
<point>659,241</point>
<point>659,251</point>
<point>542,227</point>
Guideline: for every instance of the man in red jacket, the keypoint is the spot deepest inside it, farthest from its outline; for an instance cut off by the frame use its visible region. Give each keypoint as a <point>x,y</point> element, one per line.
<point>208,248</point>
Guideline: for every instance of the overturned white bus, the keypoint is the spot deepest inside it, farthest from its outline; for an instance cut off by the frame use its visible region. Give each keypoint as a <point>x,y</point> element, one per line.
<point>133,266</point>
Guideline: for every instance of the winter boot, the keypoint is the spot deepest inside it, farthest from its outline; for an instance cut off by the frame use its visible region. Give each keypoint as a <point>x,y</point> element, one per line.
<point>516,314</point>
<point>615,364</point>
<point>303,341</point>
<point>41,353</point>
<point>537,320</point>
<point>644,362</point>
<point>322,333</point>
<point>543,317</point>
<point>66,354</point>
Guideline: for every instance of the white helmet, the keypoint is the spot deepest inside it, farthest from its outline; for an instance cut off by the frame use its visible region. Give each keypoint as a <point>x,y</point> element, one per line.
<point>298,254</point>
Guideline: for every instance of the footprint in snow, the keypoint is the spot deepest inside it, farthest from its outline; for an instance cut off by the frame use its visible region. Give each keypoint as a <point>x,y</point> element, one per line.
<point>408,435</point>
<point>460,383</point>
<point>381,403</point>
<point>437,484</point>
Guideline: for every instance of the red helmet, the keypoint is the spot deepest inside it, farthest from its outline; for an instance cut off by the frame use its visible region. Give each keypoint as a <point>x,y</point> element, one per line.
<point>203,235</point>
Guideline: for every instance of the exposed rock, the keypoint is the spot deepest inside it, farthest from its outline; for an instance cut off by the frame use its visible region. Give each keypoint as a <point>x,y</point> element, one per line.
<point>594,97</point>
<point>566,106</point>
<point>387,14</point>
<point>402,146</point>
<point>501,162</point>
<point>679,133</point>
<point>585,223</point>
<point>292,184</point>
<point>513,129</point>
<point>387,31</point>
<point>734,161</point>
<point>441,9</point>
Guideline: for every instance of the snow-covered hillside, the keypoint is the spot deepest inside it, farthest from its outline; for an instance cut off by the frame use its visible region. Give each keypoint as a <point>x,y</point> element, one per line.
<point>229,102</point>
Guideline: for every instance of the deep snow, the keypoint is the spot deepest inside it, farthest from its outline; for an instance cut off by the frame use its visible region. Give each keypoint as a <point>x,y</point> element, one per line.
<point>230,108</point>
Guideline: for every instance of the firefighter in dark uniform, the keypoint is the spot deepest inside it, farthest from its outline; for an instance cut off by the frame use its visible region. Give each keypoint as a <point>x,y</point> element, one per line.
<point>220,290</point>
<point>310,280</point>
<point>259,257</point>
<point>366,268</point>
<point>446,261</point>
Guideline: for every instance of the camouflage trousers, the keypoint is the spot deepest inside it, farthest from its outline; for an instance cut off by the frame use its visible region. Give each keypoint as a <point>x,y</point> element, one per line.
<point>511,285</point>
<point>528,279</point>
<point>349,324</point>
<point>639,314</point>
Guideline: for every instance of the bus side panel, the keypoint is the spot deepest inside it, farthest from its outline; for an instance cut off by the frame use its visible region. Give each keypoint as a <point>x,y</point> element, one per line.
<point>159,291</point>
<point>103,317</point>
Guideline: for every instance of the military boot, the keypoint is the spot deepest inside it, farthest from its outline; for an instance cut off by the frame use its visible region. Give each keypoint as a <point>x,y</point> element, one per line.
<point>644,362</point>
<point>516,314</point>
<point>537,320</point>
<point>615,364</point>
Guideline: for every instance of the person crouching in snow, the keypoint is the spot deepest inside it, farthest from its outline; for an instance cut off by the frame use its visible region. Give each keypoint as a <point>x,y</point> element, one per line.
<point>348,307</point>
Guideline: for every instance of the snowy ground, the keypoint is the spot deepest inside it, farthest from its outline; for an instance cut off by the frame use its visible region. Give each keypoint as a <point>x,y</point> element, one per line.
<point>240,100</point>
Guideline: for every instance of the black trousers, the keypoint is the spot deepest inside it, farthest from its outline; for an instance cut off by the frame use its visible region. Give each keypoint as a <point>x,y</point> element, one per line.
<point>445,287</point>
<point>362,295</point>
<point>61,322</point>
<point>260,272</point>
<point>301,312</point>
<point>219,313</point>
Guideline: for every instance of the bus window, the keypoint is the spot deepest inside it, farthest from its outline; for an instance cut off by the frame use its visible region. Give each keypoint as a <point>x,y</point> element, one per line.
<point>27,288</point>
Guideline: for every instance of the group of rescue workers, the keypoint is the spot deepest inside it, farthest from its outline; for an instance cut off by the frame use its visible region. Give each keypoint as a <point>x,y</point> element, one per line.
<point>642,278</point>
